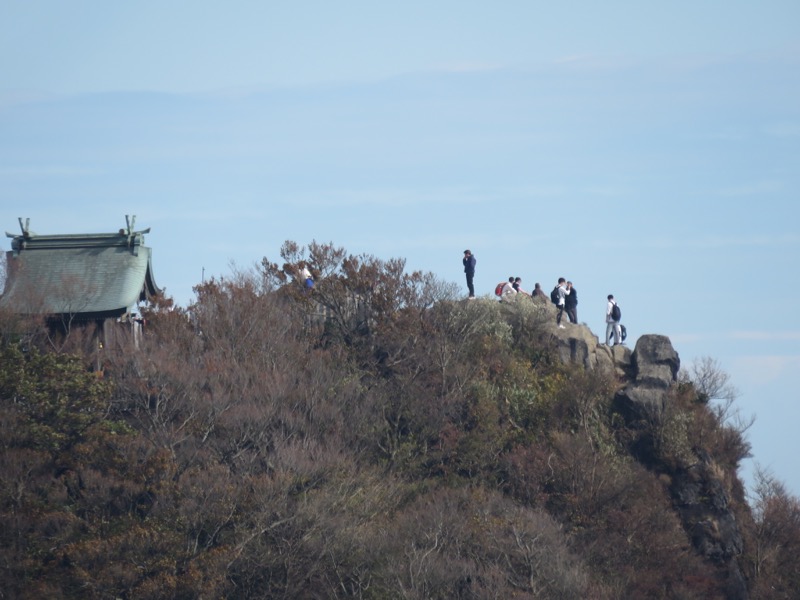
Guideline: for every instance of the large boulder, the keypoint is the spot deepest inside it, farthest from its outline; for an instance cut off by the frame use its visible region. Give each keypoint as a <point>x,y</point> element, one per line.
<point>621,358</point>
<point>639,403</point>
<point>577,344</point>
<point>653,369</point>
<point>655,362</point>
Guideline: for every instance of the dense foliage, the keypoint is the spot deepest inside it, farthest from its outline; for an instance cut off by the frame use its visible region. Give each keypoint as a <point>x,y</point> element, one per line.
<point>374,438</point>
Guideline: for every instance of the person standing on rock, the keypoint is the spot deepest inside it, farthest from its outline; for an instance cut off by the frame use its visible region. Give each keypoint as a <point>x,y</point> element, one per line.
<point>613,315</point>
<point>563,292</point>
<point>571,303</point>
<point>469,268</point>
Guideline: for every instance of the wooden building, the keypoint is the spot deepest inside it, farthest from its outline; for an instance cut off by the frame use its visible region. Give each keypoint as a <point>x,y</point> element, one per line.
<point>80,279</point>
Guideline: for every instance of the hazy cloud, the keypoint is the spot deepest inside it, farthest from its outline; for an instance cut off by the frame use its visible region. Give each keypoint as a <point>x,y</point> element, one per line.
<point>761,370</point>
<point>33,172</point>
<point>468,67</point>
<point>9,98</point>
<point>759,188</point>
<point>783,130</point>
<point>712,241</point>
<point>767,336</point>
<point>687,338</point>
<point>388,198</point>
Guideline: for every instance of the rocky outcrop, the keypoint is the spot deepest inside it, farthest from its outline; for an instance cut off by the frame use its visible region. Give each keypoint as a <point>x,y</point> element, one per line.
<point>696,487</point>
<point>577,344</point>
<point>656,364</point>
<point>697,490</point>
<point>654,369</point>
<point>703,504</point>
<point>701,499</point>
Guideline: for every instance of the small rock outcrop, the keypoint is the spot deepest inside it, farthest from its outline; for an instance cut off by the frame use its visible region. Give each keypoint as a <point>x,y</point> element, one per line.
<point>656,362</point>
<point>577,344</point>
<point>654,370</point>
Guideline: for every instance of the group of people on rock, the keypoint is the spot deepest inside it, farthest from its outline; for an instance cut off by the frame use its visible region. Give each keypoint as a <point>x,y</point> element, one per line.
<point>564,296</point>
<point>514,287</point>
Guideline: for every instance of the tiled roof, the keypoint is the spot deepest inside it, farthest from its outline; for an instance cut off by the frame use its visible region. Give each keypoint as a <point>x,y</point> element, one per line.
<point>90,275</point>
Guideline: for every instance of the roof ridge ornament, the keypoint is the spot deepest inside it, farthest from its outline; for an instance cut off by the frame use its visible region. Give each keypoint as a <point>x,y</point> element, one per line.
<point>134,237</point>
<point>131,221</point>
<point>25,227</point>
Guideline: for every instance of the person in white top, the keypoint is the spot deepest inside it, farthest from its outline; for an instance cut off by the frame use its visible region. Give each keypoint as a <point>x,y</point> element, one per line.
<point>562,294</point>
<point>508,291</point>
<point>308,279</point>
<point>612,325</point>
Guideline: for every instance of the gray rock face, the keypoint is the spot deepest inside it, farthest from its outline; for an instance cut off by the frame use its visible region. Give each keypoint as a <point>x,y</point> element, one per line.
<point>703,505</point>
<point>641,403</point>
<point>654,369</point>
<point>578,345</point>
<point>656,363</point>
<point>701,499</point>
<point>698,494</point>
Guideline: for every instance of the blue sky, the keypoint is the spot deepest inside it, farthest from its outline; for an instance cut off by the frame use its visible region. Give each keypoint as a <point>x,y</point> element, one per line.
<point>649,152</point>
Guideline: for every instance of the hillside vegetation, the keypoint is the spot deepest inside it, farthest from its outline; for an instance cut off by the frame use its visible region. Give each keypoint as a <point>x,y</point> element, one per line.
<point>375,438</point>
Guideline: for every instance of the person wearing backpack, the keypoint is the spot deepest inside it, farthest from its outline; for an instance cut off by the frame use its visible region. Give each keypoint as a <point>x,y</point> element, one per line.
<point>613,316</point>
<point>469,268</point>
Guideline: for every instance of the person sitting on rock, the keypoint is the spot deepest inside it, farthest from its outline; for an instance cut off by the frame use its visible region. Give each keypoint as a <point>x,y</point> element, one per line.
<point>518,286</point>
<point>509,293</point>
<point>538,293</point>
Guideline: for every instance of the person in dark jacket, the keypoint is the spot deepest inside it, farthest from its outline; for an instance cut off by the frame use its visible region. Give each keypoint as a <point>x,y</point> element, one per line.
<point>469,268</point>
<point>518,286</point>
<point>571,303</point>
<point>538,293</point>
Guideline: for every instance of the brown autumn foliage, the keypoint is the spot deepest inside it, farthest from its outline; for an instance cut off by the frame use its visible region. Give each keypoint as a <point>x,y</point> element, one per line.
<point>372,438</point>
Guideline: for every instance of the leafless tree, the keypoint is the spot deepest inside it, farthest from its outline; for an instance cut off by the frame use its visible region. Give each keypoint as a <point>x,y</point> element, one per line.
<point>710,381</point>
<point>777,537</point>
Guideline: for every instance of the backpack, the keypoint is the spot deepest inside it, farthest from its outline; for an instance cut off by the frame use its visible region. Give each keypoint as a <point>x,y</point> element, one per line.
<point>554,295</point>
<point>623,333</point>
<point>616,313</point>
<point>498,289</point>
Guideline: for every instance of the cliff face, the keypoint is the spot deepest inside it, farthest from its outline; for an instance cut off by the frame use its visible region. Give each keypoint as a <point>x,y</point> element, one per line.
<point>696,483</point>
